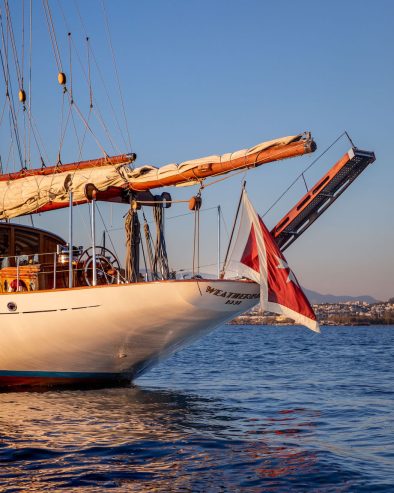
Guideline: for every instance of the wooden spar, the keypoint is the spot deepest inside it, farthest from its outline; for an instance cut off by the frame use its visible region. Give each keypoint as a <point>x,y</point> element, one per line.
<point>115,185</point>
<point>61,168</point>
<point>274,153</point>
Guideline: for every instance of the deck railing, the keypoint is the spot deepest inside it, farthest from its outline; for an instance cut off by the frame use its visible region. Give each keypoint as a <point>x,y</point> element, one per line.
<point>50,270</point>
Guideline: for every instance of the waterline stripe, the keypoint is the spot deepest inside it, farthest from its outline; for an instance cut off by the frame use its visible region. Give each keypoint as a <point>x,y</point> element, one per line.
<point>55,374</point>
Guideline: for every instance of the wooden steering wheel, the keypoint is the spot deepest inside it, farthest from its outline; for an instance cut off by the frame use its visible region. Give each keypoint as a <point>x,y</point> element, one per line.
<point>107,266</point>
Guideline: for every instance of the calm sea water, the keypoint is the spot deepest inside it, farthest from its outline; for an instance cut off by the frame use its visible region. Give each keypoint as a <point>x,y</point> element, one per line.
<point>248,409</point>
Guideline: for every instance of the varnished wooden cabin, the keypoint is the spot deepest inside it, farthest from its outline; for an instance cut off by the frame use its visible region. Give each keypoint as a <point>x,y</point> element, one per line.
<point>27,259</point>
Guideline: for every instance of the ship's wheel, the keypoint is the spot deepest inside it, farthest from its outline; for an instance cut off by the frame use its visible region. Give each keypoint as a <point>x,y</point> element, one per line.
<point>107,266</point>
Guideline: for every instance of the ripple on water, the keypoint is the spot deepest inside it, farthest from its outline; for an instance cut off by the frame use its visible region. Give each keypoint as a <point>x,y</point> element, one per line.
<point>247,409</point>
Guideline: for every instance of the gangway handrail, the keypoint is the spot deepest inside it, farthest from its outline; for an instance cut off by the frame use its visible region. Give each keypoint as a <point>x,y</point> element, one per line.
<point>321,196</point>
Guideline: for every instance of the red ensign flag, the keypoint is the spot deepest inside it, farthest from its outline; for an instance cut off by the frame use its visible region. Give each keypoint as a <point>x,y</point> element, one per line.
<point>256,255</point>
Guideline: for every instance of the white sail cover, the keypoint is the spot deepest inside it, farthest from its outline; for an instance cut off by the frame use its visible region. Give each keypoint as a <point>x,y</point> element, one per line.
<point>30,193</point>
<point>149,173</point>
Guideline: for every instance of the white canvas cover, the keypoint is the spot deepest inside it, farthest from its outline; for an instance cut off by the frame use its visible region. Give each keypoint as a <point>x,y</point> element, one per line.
<point>149,173</point>
<point>27,194</point>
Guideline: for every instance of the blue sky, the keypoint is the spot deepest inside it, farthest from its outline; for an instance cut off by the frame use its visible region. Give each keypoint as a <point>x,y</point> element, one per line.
<point>206,77</point>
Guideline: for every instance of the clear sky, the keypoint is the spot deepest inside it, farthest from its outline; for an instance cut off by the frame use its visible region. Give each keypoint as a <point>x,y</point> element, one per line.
<point>207,77</point>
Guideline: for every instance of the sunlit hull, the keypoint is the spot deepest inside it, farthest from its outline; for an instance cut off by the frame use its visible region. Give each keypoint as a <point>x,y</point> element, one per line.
<point>109,334</point>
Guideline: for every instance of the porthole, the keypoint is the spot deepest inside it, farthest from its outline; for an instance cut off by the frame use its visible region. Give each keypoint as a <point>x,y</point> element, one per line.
<point>11,306</point>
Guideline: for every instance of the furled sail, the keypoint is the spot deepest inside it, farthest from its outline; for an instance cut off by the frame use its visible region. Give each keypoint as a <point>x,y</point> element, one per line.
<point>45,189</point>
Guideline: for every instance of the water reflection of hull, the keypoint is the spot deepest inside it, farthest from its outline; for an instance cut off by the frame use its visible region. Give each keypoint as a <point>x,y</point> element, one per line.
<point>25,379</point>
<point>109,334</point>
<point>151,440</point>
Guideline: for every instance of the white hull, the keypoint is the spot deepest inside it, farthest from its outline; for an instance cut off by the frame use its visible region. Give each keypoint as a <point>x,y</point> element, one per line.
<point>110,332</point>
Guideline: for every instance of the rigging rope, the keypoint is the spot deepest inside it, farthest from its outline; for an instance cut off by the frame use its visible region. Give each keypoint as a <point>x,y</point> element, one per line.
<point>196,241</point>
<point>22,86</point>
<point>79,143</point>
<point>52,34</point>
<point>234,224</point>
<point>71,66</point>
<point>174,217</point>
<point>144,257</point>
<point>107,231</point>
<point>9,93</point>
<point>149,241</point>
<point>63,128</point>
<point>82,142</point>
<point>23,42</point>
<point>160,259</point>
<point>30,78</point>
<point>32,127</point>
<point>116,72</point>
<point>93,104</point>
<point>85,122</point>
<point>37,137</point>
<point>56,51</point>
<point>224,222</point>
<point>102,79</point>
<point>2,111</point>
<point>302,174</point>
<point>132,229</point>
<point>89,73</point>
<point>10,32</point>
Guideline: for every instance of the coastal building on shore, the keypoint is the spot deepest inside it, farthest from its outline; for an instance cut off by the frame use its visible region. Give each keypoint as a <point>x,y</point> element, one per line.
<point>346,313</point>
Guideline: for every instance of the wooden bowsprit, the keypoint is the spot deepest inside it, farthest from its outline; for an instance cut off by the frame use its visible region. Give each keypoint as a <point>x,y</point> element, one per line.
<point>321,196</point>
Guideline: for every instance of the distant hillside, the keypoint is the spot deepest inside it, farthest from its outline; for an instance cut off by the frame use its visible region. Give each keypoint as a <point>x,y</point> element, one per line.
<point>315,298</point>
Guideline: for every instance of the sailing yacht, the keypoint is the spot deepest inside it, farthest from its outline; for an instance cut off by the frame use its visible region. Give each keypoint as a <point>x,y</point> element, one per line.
<point>75,316</point>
